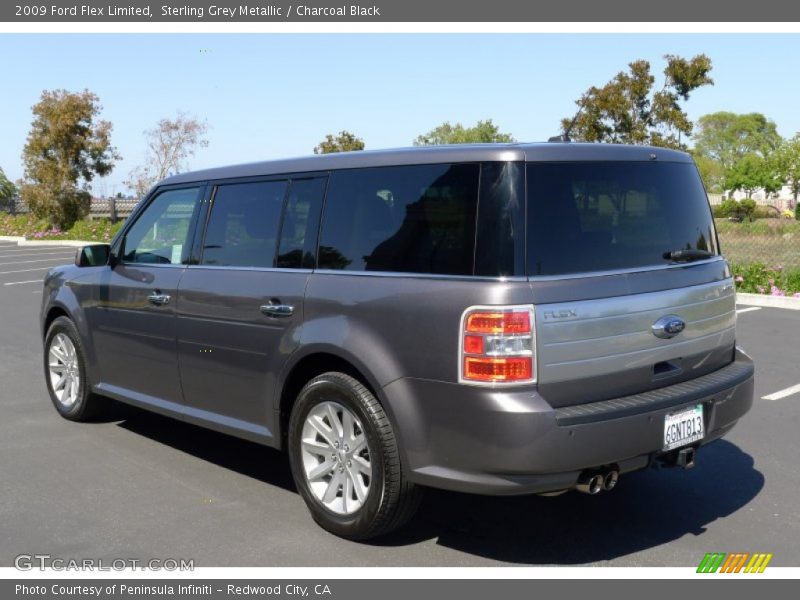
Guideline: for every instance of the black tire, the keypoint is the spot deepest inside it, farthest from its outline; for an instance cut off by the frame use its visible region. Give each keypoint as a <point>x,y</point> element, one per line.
<point>391,499</point>
<point>87,406</point>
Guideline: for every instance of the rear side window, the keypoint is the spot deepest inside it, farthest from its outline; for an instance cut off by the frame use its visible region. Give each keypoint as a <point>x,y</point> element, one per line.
<point>301,223</point>
<point>596,216</point>
<point>411,219</point>
<point>242,229</point>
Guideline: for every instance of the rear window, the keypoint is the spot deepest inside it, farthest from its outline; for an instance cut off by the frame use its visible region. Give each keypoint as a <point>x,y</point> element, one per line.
<point>597,216</point>
<point>414,219</point>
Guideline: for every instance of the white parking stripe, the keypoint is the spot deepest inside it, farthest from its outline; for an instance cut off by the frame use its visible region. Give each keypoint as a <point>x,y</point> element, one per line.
<point>19,262</point>
<point>790,391</point>
<point>16,248</point>
<point>27,270</point>
<point>49,252</point>
<point>21,282</point>
<point>744,310</point>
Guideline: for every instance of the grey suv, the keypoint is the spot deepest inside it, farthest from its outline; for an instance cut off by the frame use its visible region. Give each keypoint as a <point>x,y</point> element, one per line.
<point>496,319</point>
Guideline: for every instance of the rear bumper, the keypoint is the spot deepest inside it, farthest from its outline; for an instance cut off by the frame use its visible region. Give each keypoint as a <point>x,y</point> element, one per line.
<point>487,441</point>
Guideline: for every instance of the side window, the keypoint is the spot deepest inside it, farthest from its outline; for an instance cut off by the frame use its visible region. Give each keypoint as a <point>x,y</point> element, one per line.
<point>301,223</point>
<point>242,229</point>
<point>160,233</point>
<point>412,219</point>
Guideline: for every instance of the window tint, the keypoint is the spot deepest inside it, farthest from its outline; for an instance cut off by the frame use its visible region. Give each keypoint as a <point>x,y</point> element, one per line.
<point>416,219</point>
<point>501,220</point>
<point>160,233</point>
<point>600,216</point>
<point>242,229</point>
<point>301,223</point>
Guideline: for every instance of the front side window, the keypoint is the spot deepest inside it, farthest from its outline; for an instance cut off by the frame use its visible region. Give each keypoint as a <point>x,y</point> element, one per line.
<point>161,232</point>
<point>242,228</point>
<point>598,216</point>
<point>411,219</point>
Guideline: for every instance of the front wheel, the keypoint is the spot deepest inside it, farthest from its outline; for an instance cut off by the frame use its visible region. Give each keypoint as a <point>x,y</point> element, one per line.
<point>345,461</point>
<point>65,373</point>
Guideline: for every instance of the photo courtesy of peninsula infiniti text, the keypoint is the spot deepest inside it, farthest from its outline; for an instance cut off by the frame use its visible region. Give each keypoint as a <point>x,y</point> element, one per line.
<point>495,319</point>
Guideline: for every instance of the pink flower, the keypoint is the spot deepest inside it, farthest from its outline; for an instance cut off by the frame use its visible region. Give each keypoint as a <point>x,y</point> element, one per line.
<point>739,279</point>
<point>760,289</point>
<point>777,292</point>
<point>796,295</point>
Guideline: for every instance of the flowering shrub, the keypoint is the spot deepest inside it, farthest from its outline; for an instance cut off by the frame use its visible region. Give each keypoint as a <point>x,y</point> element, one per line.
<point>100,230</point>
<point>757,278</point>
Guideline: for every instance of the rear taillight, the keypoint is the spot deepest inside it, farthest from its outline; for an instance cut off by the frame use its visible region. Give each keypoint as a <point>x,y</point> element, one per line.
<point>497,345</point>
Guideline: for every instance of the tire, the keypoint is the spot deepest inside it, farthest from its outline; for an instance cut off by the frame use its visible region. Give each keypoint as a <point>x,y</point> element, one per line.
<point>333,479</point>
<point>63,351</point>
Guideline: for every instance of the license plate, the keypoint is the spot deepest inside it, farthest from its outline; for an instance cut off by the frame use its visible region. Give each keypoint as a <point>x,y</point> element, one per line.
<point>683,427</point>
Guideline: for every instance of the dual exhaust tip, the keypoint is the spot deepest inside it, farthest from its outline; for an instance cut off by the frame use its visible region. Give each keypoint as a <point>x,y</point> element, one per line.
<point>593,483</point>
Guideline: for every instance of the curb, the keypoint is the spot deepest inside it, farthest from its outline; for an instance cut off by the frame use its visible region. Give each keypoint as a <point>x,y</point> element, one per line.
<point>21,241</point>
<point>768,301</point>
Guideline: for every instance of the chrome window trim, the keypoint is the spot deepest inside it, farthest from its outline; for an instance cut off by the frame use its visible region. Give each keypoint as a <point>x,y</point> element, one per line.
<point>410,275</point>
<point>643,269</point>
<point>245,268</point>
<point>145,264</point>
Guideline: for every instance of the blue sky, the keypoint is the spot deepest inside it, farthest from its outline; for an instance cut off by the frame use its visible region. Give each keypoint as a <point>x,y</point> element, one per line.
<point>276,95</point>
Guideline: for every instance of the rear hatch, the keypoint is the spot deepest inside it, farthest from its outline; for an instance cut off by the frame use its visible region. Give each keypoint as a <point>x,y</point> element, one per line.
<point>631,293</point>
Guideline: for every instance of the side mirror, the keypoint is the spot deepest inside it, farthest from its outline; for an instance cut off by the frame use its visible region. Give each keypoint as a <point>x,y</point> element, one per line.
<point>95,255</point>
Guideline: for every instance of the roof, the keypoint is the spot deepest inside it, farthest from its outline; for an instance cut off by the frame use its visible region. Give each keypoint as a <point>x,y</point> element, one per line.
<point>538,152</point>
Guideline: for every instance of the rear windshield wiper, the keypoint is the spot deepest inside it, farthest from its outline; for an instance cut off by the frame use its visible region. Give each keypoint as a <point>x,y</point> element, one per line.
<point>688,255</point>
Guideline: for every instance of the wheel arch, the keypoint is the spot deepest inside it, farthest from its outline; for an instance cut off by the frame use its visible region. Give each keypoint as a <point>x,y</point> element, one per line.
<point>322,359</point>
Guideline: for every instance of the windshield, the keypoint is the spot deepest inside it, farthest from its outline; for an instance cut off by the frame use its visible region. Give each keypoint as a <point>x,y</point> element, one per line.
<point>599,216</point>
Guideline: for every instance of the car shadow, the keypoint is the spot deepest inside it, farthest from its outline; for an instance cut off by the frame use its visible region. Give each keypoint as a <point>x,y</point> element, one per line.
<point>242,456</point>
<point>646,509</point>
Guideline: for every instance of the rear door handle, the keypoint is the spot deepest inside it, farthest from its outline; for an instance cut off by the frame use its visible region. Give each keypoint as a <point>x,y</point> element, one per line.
<point>158,299</point>
<point>277,310</point>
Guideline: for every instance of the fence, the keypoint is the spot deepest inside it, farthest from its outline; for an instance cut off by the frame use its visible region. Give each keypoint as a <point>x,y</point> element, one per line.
<point>773,241</point>
<point>112,209</point>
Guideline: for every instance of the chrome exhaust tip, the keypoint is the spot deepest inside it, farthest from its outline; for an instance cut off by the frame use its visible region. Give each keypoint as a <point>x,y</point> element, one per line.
<point>611,479</point>
<point>591,484</point>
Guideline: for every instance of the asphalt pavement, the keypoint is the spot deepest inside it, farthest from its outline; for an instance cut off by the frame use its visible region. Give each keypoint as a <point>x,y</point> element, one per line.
<point>144,486</point>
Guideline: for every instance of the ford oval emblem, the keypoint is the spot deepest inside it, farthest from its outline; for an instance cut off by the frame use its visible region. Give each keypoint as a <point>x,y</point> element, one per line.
<point>668,327</point>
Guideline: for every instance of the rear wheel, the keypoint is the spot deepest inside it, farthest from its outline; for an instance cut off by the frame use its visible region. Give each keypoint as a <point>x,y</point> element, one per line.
<point>345,459</point>
<point>65,373</point>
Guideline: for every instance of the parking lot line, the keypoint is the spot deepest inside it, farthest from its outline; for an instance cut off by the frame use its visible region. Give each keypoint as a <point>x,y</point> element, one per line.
<point>26,270</point>
<point>19,262</point>
<point>48,253</point>
<point>790,391</point>
<point>16,248</point>
<point>744,310</point>
<point>22,282</point>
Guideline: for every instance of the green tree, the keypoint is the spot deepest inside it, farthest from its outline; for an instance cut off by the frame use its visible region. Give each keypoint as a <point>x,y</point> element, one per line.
<point>752,173</point>
<point>787,164</point>
<point>66,148</point>
<point>712,174</point>
<point>627,109</point>
<point>482,132</point>
<point>343,142</point>
<point>7,189</point>
<point>169,145</point>
<point>726,137</point>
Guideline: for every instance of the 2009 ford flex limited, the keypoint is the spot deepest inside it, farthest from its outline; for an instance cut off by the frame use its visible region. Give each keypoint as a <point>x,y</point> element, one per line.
<point>497,319</point>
